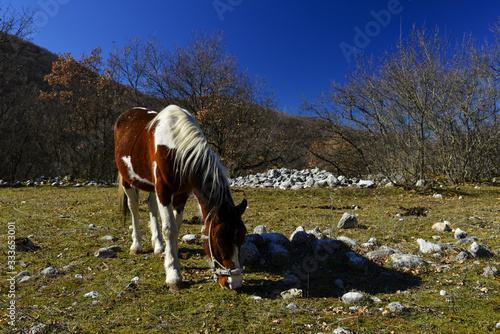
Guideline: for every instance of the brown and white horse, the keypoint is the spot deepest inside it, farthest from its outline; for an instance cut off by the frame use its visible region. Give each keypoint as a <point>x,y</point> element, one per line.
<point>165,153</point>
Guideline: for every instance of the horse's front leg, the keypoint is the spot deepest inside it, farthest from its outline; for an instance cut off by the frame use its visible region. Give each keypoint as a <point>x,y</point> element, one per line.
<point>170,235</point>
<point>156,239</point>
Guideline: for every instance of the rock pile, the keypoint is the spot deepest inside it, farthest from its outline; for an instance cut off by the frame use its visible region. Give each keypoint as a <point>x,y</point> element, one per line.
<point>284,178</point>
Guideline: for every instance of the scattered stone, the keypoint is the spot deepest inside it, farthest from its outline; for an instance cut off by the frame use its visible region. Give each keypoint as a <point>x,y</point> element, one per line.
<point>108,238</point>
<point>490,272</point>
<point>104,253</point>
<point>459,234</point>
<point>477,250</point>
<point>348,241</point>
<point>467,240</point>
<point>23,273</point>
<point>364,184</point>
<point>78,276</point>
<point>25,245</point>
<point>190,239</point>
<point>68,268</point>
<point>38,328</point>
<point>397,307</point>
<point>442,227</point>
<point>49,271</point>
<point>352,298</point>
<point>428,247</point>
<point>438,196</point>
<point>384,251</point>
<point>317,233</point>
<point>91,294</point>
<point>462,256</point>
<point>24,279</point>
<point>292,293</point>
<point>299,236</point>
<point>342,330</point>
<point>443,293</point>
<point>406,260</point>
<point>260,229</point>
<point>348,220</point>
<point>292,307</point>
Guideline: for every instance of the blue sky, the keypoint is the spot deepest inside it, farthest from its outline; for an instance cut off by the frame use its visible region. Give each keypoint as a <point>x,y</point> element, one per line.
<point>299,46</point>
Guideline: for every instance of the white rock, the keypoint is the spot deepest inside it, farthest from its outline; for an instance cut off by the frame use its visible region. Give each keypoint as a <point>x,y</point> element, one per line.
<point>352,297</point>
<point>348,220</point>
<point>49,271</point>
<point>459,234</point>
<point>442,227</point>
<point>190,239</point>
<point>406,260</point>
<point>292,293</point>
<point>91,294</point>
<point>397,307</point>
<point>348,241</point>
<point>260,229</point>
<point>428,247</point>
<point>443,293</point>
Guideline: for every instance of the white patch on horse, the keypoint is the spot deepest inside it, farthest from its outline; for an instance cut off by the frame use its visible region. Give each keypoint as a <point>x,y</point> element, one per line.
<point>140,108</point>
<point>235,281</point>
<point>152,112</point>
<point>177,129</point>
<point>131,173</point>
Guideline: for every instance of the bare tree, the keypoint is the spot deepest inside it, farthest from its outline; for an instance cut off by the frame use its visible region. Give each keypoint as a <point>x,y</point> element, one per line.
<point>232,106</point>
<point>423,108</point>
<point>14,25</point>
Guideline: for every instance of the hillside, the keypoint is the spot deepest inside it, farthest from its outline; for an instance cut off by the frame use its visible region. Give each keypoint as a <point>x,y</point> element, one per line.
<point>32,143</point>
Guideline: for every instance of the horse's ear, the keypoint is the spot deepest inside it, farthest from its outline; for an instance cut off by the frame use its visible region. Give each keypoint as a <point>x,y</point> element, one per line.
<point>240,209</point>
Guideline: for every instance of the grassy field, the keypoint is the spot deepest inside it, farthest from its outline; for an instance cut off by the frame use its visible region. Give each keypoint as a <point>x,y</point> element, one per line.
<point>57,220</point>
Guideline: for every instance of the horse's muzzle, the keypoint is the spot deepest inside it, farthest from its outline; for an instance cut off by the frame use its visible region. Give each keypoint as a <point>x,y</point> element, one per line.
<point>235,281</point>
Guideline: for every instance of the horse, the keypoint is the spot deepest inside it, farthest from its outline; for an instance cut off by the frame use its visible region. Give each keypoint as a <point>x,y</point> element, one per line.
<point>166,154</point>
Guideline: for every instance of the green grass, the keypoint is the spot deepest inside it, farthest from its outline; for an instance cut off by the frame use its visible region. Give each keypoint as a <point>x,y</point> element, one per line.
<point>58,220</point>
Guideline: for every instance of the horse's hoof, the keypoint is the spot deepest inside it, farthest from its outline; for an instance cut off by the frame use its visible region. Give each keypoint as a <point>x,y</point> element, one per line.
<point>135,252</point>
<point>158,254</point>
<point>174,287</point>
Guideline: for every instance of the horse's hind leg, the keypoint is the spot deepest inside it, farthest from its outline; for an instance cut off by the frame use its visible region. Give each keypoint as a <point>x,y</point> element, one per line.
<point>133,204</point>
<point>156,239</point>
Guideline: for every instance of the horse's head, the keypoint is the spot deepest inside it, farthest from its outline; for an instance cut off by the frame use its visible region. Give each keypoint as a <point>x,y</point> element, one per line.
<point>226,233</point>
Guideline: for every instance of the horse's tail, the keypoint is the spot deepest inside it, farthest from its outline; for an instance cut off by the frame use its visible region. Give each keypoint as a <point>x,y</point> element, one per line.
<point>122,199</point>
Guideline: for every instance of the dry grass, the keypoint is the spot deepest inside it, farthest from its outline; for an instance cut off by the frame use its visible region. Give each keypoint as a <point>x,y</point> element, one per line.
<point>57,220</point>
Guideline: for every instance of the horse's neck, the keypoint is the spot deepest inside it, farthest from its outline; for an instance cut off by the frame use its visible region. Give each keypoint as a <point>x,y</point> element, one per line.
<point>209,205</point>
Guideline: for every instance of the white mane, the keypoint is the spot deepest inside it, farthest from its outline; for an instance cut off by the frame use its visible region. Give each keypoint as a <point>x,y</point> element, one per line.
<point>177,129</point>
